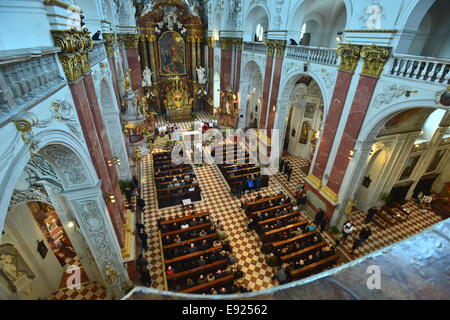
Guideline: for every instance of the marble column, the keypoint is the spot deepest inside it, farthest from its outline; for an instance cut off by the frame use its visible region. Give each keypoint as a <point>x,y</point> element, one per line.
<point>93,143</point>
<point>143,42</point>
<point>131,44</point>
<point>153,66</point>
<point>349,57</point>
<point>266,85</point>
<point>279,56</point>
<point>194,59</point>
<point>199,53</point>
<point>89,210</point>
<point>104,142</point>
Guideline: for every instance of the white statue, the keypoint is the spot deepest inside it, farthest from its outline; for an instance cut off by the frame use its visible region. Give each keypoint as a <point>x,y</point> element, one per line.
<point>148,8</point>
<point>147,77</point>
<point>201,74</point>
<point>8,267</point>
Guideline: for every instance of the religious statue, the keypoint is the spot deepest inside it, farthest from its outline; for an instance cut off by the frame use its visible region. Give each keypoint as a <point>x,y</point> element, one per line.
<point>227,108</point>
<point>127,80</point>
<point>9,268</point>
<point>201,74</point>
<point>147,77</point>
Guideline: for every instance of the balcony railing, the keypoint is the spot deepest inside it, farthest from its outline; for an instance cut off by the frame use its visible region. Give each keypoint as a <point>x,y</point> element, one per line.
<point>312,54</point>
<point>255,47</point>
<point>27,76</point>
<point>98,53</point>
<point>421,68</point>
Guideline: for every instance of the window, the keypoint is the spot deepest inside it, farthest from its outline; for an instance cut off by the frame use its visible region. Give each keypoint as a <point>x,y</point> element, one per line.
<point>303,30</point>
<point>409,168</point>
<point>259,35</point>
<point>436,160</point>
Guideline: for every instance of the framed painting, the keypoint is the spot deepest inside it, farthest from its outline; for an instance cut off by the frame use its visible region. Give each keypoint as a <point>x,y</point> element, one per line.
<point>309,110</point>
<point>172,54</point>
<point>42,249</point>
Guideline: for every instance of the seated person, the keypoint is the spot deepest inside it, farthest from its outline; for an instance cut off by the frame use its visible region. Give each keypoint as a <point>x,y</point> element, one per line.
<point>202,233</point>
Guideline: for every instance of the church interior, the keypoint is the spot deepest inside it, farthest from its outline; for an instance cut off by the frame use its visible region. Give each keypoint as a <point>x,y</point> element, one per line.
<point>224,149</point>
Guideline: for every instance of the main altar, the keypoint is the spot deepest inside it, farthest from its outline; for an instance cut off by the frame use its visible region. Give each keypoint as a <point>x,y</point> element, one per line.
<point>172,58</point>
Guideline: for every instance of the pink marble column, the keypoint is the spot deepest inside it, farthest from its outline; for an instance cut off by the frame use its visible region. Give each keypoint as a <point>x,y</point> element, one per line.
<point>112,66</point>
<point>266,91</point>
<point>237,78</point>
<point>104,142</point>
<point>87,122</point>
<point>332,121</point>
<point>274,96</point>
<point>135,66</point>
<point>361,101</point>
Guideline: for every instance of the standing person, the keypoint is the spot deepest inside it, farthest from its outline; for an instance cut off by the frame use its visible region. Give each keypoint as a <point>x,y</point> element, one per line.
<point>135,182</point>
<point>128,194</point>
<point>141,204</point>
<point>289,173</point>
<point>323,224</point>
<point>280,169</point>
<point>370,214</point>
<point>96,35</point>
<point>144,237</point>
<point>364,234</point>
<point>258,183</point>
<point>319,216</point>
<point>146,279</point>
<point>346,230</point>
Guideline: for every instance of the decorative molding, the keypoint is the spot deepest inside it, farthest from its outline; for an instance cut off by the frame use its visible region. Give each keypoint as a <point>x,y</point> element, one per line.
<point>63,112</point>
<point>131,40</point>
<point>374,58</point>
<point>67,162</point>
<point>110,41</point>
<point>370,31</point>
<point>349,54</point>
<point>314,181</point>
<point>36,192</point>
<point>329,194</point>
<point>390,92</point>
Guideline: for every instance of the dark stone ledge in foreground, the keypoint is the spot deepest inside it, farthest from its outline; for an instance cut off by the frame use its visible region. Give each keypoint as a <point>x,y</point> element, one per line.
<point>415,268</point>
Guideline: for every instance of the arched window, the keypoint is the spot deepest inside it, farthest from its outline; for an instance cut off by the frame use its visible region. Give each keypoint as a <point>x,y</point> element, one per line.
<point>259,34</point>
<point>303,30</point>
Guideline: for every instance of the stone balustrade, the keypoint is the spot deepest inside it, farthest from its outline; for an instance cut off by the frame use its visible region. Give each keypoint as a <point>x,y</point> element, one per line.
<point>319,55</point>
<point>428,69</point>
<point>27,76</point>
<point>98,53</point>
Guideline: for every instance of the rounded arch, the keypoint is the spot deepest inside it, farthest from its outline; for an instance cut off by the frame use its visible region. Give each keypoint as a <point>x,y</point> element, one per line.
<point>68,143</point>
<point>289,81</point>
<point>258,14</point>
<point>331,16</point>
<point>251,94</point>
<point>370,129</point>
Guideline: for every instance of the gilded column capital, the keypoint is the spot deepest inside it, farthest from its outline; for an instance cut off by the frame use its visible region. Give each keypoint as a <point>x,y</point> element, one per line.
<point>271,46</point>
<point>238,43</point>
<point>75,47</point>
<point>375,58</point>
<point>280,46</point>
<point>130,39</point>
<point>226,43</point>
<point>151,37</point>
<point>349,54</point>
<point>110,39</point>
<point>210,42</point>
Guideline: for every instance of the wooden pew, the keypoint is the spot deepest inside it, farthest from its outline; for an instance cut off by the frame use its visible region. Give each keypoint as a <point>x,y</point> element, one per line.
<point>215,265</point>
<point>286,216</point>
<point>273,232</point>
<point>180,219</point>
<point>181,167</point>
<point>200,226</point>
<point>296,254</point>
<point>281,206</point>
<point>211,236</point>
<point>276,244</point>
<point>179,187</point>
<point>266,199</point>
<point>192,255</point>
<point>175,175</point>
<point>243,169</point>
<point>313,267</point>
<point>201,287</point>
<point>395,214</point>
<point>168,182</point>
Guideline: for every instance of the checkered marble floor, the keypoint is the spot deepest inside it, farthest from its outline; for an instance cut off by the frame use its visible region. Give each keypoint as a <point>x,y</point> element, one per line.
<point>87,291</point>
<point>418,220</point>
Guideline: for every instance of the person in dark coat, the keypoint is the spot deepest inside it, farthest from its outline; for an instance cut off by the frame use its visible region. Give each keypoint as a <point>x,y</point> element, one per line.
<point>370,214</point>
<point>141,263</point>
<point>141,204</point>
<point>258,183</point>
<point>319,216</point>
<point>136,182</point>
<point>128,194</point>
<point>146,279</point>
<point>323,224</point>
<point>96,35</point>
<point>289,173</point>
<point>293,42</point>
<point>364,234</point>
<point>144,237</point>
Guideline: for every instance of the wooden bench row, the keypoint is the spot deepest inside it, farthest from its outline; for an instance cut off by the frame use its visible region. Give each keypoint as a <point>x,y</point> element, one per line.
<point>180,219</point>
<point>313,267</point>
<point>210,284</point>
<point>296,254</point>
<point>175,232</point>
<point>201,269</point>
<point>192,255</point>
